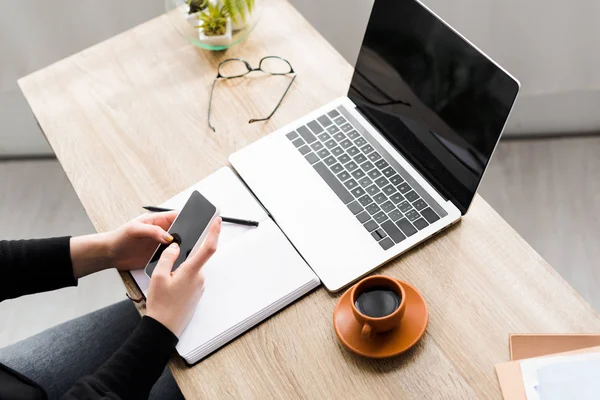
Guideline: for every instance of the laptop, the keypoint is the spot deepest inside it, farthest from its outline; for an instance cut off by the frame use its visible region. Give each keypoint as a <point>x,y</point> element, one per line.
<point>368,176</point>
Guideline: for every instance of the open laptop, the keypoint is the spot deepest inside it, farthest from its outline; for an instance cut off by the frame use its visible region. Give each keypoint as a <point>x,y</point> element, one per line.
<point>368,176</point>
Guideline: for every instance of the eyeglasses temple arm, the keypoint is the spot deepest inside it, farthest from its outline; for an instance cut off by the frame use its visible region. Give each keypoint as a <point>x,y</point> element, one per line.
<point>210,103</point>
<point>276,107</point>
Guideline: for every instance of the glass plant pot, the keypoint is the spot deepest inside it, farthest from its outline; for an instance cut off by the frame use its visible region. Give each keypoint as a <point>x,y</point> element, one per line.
<point>186,22</point>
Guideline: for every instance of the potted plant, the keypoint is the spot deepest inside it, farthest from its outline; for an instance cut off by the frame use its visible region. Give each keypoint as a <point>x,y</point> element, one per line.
<point>215,25</point>
<point>196,6</point>
<point>240,12</point>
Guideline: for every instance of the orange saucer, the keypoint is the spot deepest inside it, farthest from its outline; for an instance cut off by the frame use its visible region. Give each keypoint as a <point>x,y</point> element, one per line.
<point>387,344</point>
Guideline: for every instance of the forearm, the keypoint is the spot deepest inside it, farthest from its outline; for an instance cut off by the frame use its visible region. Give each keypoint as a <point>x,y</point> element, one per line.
<point>89,254</point>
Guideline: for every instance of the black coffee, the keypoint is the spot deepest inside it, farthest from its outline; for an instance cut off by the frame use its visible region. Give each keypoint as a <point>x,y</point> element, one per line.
<point>377,302</point>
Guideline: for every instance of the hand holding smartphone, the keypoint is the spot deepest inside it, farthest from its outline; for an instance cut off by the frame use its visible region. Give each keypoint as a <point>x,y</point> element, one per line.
<point>189,229</point>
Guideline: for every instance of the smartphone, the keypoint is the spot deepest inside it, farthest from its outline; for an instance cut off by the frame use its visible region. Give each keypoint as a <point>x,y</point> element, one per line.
<point>189,229</point>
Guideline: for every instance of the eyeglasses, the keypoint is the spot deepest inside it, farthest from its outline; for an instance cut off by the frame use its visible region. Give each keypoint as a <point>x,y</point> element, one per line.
<point>237,68</point>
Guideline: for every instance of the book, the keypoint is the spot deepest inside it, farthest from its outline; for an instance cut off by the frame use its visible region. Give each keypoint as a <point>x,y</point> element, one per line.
<point>254,273</point>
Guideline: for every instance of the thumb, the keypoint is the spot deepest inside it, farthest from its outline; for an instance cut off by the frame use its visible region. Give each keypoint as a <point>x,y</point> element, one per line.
<point>148,231</point>
<point>166,261</point>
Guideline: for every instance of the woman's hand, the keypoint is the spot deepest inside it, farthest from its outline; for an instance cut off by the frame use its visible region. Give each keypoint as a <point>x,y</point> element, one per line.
<point>132,245</point>
<point>128,247</point>
<point>173,296</point>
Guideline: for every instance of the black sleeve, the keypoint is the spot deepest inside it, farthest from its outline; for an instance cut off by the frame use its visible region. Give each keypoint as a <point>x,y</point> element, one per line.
<point>132,371</point>
<point>32,266</point>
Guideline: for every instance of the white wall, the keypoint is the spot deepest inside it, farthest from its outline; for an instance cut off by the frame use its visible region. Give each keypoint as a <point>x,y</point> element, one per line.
<point>551,46</point>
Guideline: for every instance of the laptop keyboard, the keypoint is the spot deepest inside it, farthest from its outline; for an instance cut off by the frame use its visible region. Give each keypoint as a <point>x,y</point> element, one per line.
<point>374,192</point>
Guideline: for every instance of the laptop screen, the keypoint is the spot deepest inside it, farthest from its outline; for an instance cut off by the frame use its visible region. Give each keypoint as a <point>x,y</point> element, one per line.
<point>439,101</point>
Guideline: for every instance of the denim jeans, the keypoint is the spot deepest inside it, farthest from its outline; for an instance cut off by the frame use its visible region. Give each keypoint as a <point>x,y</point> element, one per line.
<point>59,356</point>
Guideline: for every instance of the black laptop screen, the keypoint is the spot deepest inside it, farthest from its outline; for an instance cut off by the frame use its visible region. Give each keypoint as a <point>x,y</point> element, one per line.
<point>437,99</point>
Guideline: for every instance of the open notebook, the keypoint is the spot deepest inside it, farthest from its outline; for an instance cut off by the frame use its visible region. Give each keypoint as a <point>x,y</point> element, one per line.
<point>254,273</point>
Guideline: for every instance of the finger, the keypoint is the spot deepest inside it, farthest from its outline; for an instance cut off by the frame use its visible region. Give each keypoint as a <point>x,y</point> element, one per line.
<point>166,261</point>
<point>141,230</point>
<point>197,260</point>
<point>162,219</point>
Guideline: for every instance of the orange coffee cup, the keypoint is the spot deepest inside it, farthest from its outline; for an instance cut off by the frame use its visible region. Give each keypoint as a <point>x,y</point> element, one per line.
<point>373,325</point>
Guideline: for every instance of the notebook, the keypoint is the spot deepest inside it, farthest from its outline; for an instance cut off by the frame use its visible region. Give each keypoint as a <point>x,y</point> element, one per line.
<point>254,273</point>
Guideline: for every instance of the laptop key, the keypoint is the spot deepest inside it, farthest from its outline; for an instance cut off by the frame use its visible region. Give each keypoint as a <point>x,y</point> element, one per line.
<point>419,204</point>
<point>324,120</point>
<point>346,143</point>
<point>412,215</point>
<point>364,182</point>
<point>323,137</point>
<point>323,153</point>
<point>357,191</point>
<point>388,206</point>
<point>333,182</point>
<point>363,217</point>
<point>306,134</point>
<point>298,142</point>
<point>360,141</point>
<point>393,232</point>
<point>350,184</point>
<point>355,208</point>
<point>339,136</point>
<point>342,176</point>
<point>315,127</point>
<point>376,235</point>
<point>292,135</point>
<point>346,128</point>
<point>353,135</point>
<point>367,149</point>
<point>359,173</point>
<point>379,198</point>
<point>330,160</point>
<point>353,151</point>
<point>339,120</point>
<point>367,166</point>
<point>386,243</point>
<point>397,198</point>
<point>360,158</point>
<point>380,232</point>
<point>404,206</point>
<point>337,168</point>
<point>389,190</point>
<point>344,158</point>
<point>333,113</point>
<point>316,146</point>
<point>406,227</point>
<point>373,208</point>
<point>380,217</point>
<point>374,156</point>
<point>382,164</point>
<point>396,180</point>
<point>411,196</point>
<point>351,166</point>
<point>404,188</point>
<point>373,190</point>
<point>311,158</point>
<point>337,151</point>
<point>330,144</point>
<point>381,181</point>
<point>430,215</point>
<point>365,200</point>
<point>333,129</point>
<point>389,171</point>
<point>304,150</point>
<point>370,225</point>
<point>395,215</point>
<point>420,224</point>
<point>374,173</point>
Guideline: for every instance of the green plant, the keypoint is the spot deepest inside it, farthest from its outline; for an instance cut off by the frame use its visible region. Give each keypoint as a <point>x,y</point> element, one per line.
<point>238,9</point>
<point>213,20</point>
<point>197,5</point>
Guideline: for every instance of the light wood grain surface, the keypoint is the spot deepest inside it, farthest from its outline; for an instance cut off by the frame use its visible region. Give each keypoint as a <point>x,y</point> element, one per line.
<point>127,120</point>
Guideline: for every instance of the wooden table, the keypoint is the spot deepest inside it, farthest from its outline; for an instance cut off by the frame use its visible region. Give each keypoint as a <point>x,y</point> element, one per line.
<point>127,120</point>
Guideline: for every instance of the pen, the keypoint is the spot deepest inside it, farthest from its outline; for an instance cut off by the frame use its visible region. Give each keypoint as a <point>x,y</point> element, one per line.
<point>224,219</point>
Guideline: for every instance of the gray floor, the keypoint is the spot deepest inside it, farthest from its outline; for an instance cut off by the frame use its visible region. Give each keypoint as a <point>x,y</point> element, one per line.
<point>548,191</point>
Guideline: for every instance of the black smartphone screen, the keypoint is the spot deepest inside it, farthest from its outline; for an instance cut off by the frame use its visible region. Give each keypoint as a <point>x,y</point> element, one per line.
<point>187,228</point>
